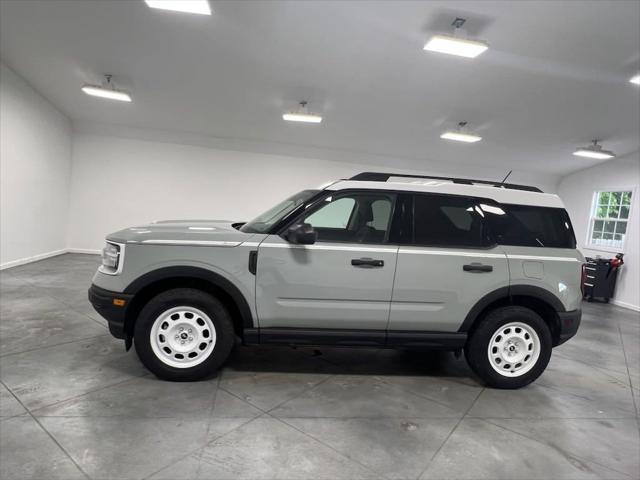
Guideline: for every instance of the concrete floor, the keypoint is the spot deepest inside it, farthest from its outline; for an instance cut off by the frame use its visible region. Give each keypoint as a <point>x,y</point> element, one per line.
<point>75,405</point>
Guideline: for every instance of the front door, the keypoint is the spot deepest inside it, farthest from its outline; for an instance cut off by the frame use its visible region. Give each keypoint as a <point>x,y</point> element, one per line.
<point>344,280</point>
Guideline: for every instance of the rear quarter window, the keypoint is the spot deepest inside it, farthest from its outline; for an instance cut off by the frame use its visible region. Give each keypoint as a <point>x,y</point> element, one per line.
<point>531,226</point>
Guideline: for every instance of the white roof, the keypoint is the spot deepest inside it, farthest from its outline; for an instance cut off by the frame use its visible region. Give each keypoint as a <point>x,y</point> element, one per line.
<point>502,195</point>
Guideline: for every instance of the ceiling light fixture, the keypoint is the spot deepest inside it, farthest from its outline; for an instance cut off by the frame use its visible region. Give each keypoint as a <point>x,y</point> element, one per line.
<point>635,79</point>
<point>107,90</point>
<point>594,151</point>
<point>302,114</point>
<point>456,44</point>
<point>461,135</point>
<point>200,7</point>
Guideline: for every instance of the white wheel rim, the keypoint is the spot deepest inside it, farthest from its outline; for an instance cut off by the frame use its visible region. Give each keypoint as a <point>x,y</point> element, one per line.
<point>514,349</point>
<point>183,337</point>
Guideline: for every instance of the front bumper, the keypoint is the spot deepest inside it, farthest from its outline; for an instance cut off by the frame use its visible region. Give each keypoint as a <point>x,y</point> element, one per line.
<point>112,306</point>
<point>569,323</point>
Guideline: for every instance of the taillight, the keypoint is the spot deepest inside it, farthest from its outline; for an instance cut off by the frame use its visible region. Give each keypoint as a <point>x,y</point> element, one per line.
<point>583,277</point>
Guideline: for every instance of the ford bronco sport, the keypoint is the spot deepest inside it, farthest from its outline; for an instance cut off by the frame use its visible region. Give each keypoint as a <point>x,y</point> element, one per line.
<point>378,260</point>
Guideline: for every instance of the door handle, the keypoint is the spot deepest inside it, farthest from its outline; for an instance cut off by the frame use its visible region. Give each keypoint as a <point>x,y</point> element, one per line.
<point>367,262</point>
<point>477,267</point>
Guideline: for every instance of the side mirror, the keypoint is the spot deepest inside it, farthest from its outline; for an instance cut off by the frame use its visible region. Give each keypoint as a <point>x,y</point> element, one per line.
<point>302,234</point>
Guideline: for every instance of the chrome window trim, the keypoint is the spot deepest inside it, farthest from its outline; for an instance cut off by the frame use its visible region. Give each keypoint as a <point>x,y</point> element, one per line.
<point>539,257</point>
<point>488,255</point>
<point>336,248</point>
<point>447,252</point>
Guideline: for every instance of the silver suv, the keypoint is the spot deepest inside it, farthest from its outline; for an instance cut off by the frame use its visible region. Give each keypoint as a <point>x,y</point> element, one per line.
<point>378,260</point>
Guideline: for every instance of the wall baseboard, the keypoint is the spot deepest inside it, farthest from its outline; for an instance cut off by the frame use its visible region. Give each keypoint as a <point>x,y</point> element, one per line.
<point>42,256</point>
<point>87,251</point>
<point>35,258</point>
<point>625,305</point>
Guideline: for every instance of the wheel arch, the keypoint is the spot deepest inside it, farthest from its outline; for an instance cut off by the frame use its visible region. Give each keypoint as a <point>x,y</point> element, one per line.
<point>152,283</point>
<point>541,301</point>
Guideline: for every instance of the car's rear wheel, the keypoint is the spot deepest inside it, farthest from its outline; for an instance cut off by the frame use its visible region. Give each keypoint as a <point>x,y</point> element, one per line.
<point>510,348</point>
<point>183,334</point>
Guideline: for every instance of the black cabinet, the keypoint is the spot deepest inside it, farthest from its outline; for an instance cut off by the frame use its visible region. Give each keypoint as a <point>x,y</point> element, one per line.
<point>600,279</point>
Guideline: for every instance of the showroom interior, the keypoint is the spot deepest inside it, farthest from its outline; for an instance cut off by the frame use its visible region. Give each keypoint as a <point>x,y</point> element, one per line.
<point>120,113</point>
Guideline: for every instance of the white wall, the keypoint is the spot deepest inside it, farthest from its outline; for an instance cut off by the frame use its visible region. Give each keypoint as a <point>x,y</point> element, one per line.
<point>119,182</point>
<point>577,189</point>
<point>35,162</point>
<point>61,189</point>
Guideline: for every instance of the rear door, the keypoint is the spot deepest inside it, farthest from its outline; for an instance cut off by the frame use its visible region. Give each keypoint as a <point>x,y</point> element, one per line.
<point>447,262</point>
<point>344,280</point>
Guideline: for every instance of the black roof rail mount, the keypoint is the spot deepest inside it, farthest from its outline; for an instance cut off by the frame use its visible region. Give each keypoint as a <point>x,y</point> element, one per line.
<point>383,177</point>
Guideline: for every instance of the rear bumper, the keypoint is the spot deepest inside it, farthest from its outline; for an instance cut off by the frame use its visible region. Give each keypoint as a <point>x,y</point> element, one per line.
<point>103,302</point>
<point>569,323</point>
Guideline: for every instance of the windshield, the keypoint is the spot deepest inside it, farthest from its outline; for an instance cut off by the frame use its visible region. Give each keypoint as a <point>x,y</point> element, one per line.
<point>264,222</point>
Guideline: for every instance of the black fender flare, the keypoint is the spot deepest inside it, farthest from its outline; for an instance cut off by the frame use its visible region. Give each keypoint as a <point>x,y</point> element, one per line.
<point>506,293</point>
<point>215,279</point>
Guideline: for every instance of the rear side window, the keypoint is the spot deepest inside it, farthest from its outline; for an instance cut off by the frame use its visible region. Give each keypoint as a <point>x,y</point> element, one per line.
<point>530,226</point>
<point>448,221</point>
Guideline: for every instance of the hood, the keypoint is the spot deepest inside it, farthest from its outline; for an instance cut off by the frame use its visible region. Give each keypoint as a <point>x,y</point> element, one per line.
<point>167,232</point>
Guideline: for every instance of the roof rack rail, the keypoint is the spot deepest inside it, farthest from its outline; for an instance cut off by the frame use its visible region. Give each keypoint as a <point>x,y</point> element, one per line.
<point>383,177</point>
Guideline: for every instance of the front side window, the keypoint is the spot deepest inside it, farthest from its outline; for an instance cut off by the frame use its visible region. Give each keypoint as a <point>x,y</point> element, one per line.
<point>334,215</point>
<point>353,218</point>
<point>448,221</point>
<point>609,217</point>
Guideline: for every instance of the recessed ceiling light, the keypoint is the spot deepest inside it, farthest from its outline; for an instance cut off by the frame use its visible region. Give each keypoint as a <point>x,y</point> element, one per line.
<point>451,45</point>
<point>302,115</point>
<point>635,79</point>
<point>107,90</point>
<point>200,7</point>
<point>461,135</point>
<point>456,44</point>
<point>594,151</point>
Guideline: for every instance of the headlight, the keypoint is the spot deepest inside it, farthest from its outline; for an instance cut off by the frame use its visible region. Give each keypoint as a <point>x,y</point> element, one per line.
<point>112,257</point>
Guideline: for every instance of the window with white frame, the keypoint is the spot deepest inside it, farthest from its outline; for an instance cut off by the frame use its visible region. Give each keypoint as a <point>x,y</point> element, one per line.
<point>609,218</point>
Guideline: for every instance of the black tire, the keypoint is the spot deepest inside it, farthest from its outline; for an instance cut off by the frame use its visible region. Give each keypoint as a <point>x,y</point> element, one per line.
<point>184,297</point>
<point>477,347</point>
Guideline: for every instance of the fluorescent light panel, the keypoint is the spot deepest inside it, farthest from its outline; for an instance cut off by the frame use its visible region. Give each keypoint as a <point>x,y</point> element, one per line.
<point>460,137</point>
<point>200,7</point>
<point>451,45</point>
<point>302,117</point>
<point>108,93</point>
<point>635,79</point>
<point>590,153</point>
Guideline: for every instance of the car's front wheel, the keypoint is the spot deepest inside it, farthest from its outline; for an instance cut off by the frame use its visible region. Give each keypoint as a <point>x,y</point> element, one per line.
<point>510,348</point>
<point>183,334</point>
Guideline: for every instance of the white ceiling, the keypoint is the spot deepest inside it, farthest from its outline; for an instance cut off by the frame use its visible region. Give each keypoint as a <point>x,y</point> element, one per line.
<point>555,77</point>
